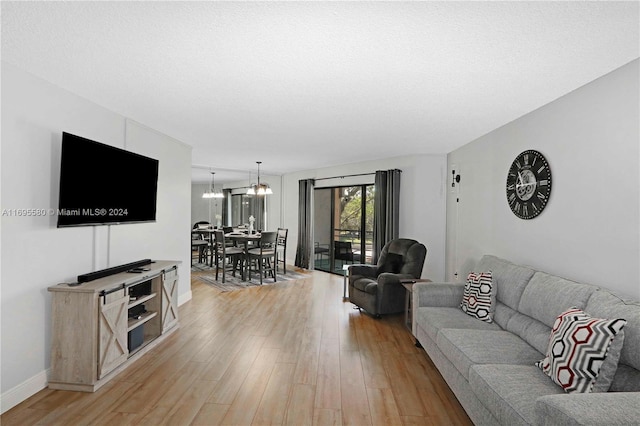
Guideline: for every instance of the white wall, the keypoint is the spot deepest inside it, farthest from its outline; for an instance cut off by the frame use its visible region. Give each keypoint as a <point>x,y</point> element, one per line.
<point>35,254</point>
<point>422,201</point>
<point>590,230</point>
<point>169,238</point>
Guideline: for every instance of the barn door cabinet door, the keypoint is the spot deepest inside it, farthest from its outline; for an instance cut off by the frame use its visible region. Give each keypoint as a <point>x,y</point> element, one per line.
<point>112,350</point>
<point>169,299</point>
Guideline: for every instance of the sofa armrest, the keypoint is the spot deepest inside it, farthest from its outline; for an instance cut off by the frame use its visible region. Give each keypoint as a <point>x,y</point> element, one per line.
<point>437,294</point>
<point>605,408</point>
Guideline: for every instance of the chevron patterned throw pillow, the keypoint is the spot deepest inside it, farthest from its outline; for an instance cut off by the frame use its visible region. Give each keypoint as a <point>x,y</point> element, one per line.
<point>476,300</point>
<point>578,347</point>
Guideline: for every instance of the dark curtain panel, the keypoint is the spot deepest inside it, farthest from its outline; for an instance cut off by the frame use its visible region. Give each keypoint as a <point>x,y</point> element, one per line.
<point>386,213</point>
<point>259,209</point>
<point>304,251</point>
<point>225,207</point>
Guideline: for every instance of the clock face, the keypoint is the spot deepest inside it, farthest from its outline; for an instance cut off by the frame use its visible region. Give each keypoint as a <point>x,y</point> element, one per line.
<point>528,184</point>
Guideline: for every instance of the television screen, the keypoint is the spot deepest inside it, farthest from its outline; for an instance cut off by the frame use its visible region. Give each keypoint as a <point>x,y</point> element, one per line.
<point>102,184</point>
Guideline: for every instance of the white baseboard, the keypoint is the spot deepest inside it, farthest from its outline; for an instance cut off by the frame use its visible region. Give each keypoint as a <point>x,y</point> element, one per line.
<point>26,389</point>
<point>185,297</point>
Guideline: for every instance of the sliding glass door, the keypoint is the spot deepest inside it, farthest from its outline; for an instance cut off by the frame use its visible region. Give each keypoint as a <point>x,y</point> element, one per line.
<point>343,226</point>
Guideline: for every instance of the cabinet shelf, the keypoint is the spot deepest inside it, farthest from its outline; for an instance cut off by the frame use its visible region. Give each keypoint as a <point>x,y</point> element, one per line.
<point>133,323</point>
<point>141,299</point>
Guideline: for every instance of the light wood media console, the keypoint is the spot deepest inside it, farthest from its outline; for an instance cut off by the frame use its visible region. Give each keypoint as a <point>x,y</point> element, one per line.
<point>100,327</point>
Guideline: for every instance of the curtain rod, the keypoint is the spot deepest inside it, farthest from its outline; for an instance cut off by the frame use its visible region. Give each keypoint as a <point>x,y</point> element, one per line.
<point>344,176</point>
<point>324,178</point>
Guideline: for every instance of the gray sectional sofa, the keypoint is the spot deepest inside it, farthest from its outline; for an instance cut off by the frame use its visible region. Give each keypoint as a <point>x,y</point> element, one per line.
<point>490,366</point>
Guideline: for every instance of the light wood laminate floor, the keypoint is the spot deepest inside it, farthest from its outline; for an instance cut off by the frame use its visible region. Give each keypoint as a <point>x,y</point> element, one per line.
<point>287,354</point>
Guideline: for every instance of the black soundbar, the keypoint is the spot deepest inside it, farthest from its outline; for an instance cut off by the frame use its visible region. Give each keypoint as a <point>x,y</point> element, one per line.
<point>111,271</point>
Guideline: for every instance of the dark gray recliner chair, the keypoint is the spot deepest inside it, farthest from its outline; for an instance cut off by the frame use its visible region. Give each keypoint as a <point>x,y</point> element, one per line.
<point>377,288</point>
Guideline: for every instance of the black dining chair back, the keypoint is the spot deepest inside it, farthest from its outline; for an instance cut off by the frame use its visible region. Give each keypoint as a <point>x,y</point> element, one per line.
<point>203,224</point>
<point>222,252</point>
<point>342,250</point>
<point>198,249</point>
<point>264,257</point>
<point>281,246</point>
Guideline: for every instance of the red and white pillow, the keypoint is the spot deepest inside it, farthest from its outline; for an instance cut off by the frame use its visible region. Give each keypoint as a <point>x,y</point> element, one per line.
<point>578,347</point>
<point>476,300</point>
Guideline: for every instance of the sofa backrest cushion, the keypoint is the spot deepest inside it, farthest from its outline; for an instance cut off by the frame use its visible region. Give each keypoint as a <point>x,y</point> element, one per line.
<point>530,330</point>
<point>547,296</point>
<point>509,280</point>
<point>604,304</point>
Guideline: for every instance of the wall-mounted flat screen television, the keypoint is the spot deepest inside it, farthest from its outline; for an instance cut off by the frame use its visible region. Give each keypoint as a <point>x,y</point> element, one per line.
<point>104,185</point>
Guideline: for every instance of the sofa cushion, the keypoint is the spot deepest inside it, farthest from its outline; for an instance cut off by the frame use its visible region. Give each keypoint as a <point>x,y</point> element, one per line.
<point>432,319</point>
<point>604,304</point>
<point>509,280</point>
<point>509,392</point>
<point>468,347</point>
<point>578,347</point>
<point>531,330</point>
<point>477,297</point>
<point>627,379</point>
<point>547,296</point>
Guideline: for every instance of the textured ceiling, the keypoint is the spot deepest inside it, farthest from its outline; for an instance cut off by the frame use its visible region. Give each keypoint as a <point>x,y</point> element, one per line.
<point>302,85</point>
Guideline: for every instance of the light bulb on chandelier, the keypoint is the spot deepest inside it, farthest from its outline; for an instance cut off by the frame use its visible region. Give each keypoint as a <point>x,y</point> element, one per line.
<point>212,193</point>
<point>259,188</point>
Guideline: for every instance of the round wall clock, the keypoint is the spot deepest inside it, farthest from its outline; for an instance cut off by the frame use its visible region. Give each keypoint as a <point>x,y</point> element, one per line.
<point>528,184</point>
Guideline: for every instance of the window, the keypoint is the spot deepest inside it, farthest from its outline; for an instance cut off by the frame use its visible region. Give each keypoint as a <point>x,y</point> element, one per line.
<point>243,206</point>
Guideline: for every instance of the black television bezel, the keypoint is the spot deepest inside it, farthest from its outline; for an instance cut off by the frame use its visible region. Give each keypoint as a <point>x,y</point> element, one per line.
<point>98,222</point>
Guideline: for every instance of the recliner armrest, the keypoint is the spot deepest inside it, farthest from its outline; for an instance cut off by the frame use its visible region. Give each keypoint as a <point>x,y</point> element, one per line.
<point>388,278</point>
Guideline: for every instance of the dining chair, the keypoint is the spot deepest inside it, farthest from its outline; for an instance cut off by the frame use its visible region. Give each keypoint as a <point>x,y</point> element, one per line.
<point>342,250</point>
<point>222,252</point>
<point>198,249</point>
<point>260,257</point>
<point>201,224</point>
<point>281,247</point>
<point>203,251</point>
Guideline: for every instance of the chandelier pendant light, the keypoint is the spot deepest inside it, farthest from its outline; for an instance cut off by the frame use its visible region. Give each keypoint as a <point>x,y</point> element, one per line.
<point>260,188</point>
<point>212,193</point>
